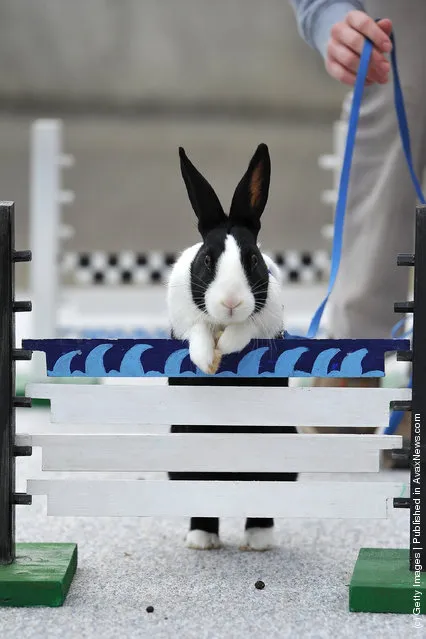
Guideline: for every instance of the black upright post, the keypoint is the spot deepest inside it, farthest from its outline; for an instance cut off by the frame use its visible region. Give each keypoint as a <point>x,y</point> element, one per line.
<point>7,421</point>
<point>418,403</point>
<point>8,401</point>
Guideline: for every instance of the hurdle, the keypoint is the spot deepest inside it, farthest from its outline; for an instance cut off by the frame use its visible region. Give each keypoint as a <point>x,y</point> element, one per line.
<point>116,429</point>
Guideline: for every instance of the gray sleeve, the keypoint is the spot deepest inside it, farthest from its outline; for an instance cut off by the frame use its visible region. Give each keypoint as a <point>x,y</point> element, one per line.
<point>316,17</point>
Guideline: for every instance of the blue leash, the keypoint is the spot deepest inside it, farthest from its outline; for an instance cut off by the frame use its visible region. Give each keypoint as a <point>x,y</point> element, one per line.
<point>403,124</point>
<point>339,218</point>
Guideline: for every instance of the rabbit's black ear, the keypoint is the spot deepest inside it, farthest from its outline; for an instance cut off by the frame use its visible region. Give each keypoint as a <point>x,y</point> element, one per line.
<point>251,194</point>
<point>204,200</point>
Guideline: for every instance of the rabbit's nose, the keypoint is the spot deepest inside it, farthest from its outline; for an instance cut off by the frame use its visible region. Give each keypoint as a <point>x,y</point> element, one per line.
<point>231,303</point>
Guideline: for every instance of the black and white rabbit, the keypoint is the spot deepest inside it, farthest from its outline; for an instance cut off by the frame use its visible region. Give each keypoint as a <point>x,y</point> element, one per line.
<point>222,293</point>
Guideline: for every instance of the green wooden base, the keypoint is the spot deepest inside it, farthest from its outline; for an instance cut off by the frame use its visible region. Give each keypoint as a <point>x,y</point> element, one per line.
<point>382,582</point>
<point>40,576</point>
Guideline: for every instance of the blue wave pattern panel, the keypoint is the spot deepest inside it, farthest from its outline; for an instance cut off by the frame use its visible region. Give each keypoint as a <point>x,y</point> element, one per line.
<point>287,357</point>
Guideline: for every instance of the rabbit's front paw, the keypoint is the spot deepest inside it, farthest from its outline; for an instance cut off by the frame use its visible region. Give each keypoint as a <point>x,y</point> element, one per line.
<point>217,356</point>
<point>203,356</point>
<point>233,339</point>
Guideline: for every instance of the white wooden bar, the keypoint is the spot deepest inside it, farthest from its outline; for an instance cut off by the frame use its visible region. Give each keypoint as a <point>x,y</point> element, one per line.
<point>23,439</point>
<point>132,498</point>
<point>232,406</point>
<point>219,452</point>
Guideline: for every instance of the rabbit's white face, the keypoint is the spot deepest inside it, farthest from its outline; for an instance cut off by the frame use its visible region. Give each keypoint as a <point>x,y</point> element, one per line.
<point>228,298</point>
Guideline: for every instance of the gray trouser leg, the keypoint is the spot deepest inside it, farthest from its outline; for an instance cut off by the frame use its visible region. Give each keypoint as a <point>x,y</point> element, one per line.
<point>381,204</point>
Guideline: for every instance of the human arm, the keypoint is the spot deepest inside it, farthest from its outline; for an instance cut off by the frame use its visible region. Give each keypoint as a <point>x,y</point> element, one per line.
<point>338,30</point>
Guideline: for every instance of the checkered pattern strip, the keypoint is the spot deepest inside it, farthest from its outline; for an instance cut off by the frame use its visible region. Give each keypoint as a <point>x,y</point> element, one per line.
<point>132,268</point>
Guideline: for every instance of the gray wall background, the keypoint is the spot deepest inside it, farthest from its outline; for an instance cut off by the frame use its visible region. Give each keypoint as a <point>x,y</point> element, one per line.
<point>121,52</point>
<point>224,74</point>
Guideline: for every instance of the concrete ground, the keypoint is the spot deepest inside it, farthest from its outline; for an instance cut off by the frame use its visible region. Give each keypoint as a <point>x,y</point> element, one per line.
<point>126,565</point>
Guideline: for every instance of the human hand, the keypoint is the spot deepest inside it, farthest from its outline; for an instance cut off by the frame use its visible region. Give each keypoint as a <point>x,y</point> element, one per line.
<point>347,41</point>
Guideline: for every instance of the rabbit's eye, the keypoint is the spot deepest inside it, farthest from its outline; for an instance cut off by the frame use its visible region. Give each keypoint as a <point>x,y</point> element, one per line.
<point>254,261</point>
<point>208,261</point>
